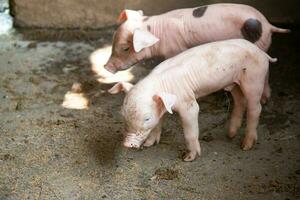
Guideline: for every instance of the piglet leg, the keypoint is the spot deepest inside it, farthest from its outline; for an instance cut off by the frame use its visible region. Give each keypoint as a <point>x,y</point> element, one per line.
<point>237,112</point>
<point>253,94</point>
<point>267,91</point>
<point>154,136</point>
<point>189,117</point>
<point>253,113</point>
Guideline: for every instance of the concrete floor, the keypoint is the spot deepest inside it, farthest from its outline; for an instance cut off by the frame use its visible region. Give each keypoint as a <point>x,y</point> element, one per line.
<point>48,151</point>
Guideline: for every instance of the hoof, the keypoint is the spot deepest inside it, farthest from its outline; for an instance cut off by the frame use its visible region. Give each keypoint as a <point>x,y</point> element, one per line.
<point>189,157</point>
<point>231,134</point>
<point>149,143</point>
<point>264,100</point>
<point>248,143</point>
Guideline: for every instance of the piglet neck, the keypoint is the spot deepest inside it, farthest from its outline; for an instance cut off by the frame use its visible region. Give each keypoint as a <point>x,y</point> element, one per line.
<point>154,25</point>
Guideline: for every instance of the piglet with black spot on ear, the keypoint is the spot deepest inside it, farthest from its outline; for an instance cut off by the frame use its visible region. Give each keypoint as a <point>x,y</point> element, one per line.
<point>141,37</point>
<point>174,85</point>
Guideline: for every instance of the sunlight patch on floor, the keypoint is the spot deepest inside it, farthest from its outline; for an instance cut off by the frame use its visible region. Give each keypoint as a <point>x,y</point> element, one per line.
<point>75,101</point>
<point>98,59</point>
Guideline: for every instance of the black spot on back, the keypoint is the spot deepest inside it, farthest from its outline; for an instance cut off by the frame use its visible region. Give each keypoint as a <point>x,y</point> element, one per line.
<point>252,30</point>
<point>148,27</point>
<point>199,12</point>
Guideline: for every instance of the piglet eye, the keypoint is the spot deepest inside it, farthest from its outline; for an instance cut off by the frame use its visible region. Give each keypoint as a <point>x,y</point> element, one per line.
<point>147,119</point>
<point>125,48</point>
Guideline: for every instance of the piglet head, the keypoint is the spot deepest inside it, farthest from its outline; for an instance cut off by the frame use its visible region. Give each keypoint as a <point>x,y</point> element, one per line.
<point>129,41</point>
<point>142,111</point>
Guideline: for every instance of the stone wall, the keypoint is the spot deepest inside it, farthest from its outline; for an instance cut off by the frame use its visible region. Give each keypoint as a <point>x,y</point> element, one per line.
<point>102,13</point>
<point>3,5</point>
<point>5,18</point>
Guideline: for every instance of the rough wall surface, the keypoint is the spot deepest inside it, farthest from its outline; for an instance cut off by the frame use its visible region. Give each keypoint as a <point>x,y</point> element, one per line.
<point>3,5</point>
<point>102,13</point>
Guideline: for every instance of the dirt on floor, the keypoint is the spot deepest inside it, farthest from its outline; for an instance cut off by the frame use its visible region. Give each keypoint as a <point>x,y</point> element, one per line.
<point>49,150</point>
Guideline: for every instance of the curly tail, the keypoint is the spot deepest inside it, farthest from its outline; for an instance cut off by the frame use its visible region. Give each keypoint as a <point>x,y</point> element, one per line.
<point>279,30</point>
<point>272,60</point>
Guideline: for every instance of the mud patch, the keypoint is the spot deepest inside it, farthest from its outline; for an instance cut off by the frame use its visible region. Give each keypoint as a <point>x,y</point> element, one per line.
<point>166,174</point>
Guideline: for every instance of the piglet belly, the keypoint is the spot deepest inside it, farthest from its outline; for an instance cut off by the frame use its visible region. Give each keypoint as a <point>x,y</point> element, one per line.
<point>218,78</point>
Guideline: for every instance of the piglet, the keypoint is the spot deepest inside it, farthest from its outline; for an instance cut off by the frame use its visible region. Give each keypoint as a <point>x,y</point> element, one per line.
<point>235,65</point>
<point>141,37</point>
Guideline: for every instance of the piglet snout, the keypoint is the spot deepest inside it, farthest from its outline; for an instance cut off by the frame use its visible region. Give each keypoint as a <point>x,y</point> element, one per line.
<point>110,68</point>
<point>132,141</point>
<point>129,144</point>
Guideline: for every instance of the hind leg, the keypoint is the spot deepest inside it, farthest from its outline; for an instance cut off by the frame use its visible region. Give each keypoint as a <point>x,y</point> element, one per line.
<point>264,43</point>
<point>267,90</point>
<point>253,94</point>
<point>237,112</point>
<point>253,113</point>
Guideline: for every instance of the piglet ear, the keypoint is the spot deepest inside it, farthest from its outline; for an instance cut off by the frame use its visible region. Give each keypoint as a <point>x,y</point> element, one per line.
<point>130,15</point>
<point>121,86</point>
<point>165,101</point>
<point>143,39</point>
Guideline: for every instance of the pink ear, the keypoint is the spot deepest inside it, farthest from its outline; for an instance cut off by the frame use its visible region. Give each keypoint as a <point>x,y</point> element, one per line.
<point>130,15</point>
<point>159,104</point>
<point>122,17</point>
<point>164,101</point>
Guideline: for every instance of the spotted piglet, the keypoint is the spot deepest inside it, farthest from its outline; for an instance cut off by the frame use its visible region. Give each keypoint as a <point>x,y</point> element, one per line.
<point>174,85</point>
<point>170,33</point>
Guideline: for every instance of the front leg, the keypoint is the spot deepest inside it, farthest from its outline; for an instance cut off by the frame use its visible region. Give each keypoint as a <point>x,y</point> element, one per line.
<point>154,136</point>
<point>189,117</point>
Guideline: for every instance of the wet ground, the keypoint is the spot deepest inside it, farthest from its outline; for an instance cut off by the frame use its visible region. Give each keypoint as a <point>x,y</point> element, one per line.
<point>48,150</point>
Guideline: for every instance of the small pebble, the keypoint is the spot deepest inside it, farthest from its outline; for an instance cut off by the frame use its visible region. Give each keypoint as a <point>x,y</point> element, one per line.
<point>77,88</point>
<point>32,45</point>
